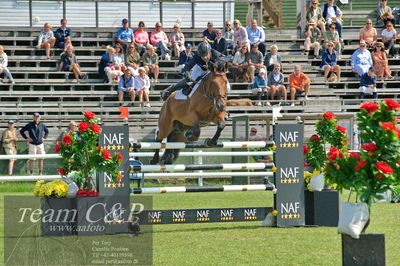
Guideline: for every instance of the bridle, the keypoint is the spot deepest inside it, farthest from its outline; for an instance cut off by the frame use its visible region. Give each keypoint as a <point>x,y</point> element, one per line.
<point>214,97</point>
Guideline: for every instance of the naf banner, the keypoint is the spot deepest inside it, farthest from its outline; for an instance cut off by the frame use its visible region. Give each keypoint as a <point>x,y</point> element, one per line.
<point>115,139</point>
<point>289,177</point>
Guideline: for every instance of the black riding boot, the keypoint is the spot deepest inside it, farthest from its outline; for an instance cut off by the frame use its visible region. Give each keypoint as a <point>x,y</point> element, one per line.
<point>182,84</point>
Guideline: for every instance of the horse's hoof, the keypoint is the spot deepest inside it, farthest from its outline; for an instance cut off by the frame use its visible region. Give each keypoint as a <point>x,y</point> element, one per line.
<point>189,135</point>
<point>153,161</point>
<point>209,143</point>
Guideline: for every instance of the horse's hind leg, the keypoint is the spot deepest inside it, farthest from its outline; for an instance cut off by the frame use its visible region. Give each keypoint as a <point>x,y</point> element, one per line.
<point>165,128</point>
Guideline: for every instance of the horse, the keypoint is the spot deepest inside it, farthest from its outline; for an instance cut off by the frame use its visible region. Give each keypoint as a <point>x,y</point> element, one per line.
<point>180,120</point>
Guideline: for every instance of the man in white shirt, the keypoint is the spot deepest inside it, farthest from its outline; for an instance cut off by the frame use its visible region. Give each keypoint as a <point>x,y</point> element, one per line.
<point>333,14</point>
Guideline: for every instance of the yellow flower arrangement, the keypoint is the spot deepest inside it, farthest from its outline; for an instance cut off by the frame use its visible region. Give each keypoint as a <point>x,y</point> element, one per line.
<point>308,176</point>
<point>56,188</point>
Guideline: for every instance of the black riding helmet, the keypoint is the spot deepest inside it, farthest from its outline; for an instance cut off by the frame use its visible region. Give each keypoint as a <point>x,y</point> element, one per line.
<point>203,49</point>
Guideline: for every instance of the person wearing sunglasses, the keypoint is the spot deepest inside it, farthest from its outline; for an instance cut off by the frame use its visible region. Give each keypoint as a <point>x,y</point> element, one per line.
<point>240,36</point>
<point>368,34</point>
<point>314,13</point>
<point>333,15</point>
<point>177,40</point>
<point>384,14</point>
<point>389,36</point>
<point>329,63</point>
<point>159,39</point>
<point>141,38</point>
<point>381,64</point>
<point>125,35</point>
<point>361,60</point>
<point>332,37</point>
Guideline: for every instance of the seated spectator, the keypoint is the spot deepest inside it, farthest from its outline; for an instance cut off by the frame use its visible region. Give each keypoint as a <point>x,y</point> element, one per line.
<point>142,86</point>
<point>333,15</point>
<point>254,136</point>
<point>260,87</point>
<point>329,63</point>
<point>272,58</point>
<point>126,87</point>
<point>69,62</point>
<point>219,43</point>
<point>46,39</point>
<point>159,39</point>
<point>132,60</point>
<point>368,83</point>
<point>185,56</point>
<point>63,35</point>
<point>241,66</point>
<point>141,38</point>
<point>256,35</point>
<point>332,37</point>
<point>275,82</point>
<point>384,14</point>
<point>256,58</point>
<point>368,34</point>
<point>4,65</point>
<point>240,36</point>
<point>150,62</point>
<point>298,83</point>
<point>361,60</point>
<point>209,33</point>
<point>177,40</point>
<point>125,35</point>
<point>9,139</point>
<point>106,66</point>
<point>389,36</point>
<point>313,39</point>
<point>119,58</point>
<point>314,13</point>
<point>227,33</point>
<point>381,64</point>
<point>71,128</point>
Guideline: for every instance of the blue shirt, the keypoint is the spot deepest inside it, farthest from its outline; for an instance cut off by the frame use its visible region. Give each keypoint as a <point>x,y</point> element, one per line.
<point>61,33</point>
<point>257,35</point>
<point>259,82</point>
<point>328,59</point>
<point>124,83</point>
<point>211,36</point>
<point>361,58</point>
<point>184,58</point>
<point>37,132</point>
<point>125,35</point>
<point>367,80</point>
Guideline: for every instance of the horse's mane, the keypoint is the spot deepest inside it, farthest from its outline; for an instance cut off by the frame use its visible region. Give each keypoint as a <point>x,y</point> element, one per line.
<point>218,71</point>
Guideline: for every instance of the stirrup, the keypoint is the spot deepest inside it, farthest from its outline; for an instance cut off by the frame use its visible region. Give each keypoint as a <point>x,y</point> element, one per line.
<point>186,91</point>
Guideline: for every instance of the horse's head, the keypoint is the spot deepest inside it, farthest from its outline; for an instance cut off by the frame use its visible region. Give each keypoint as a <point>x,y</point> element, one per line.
<point>218,87</point>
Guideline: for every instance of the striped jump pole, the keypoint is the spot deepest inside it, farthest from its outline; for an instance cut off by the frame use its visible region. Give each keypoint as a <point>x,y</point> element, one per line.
<point>188,189</point>
<point>206,153</point>
<point>206,174</point>
<point>193,167</point>
<point>183,145</point>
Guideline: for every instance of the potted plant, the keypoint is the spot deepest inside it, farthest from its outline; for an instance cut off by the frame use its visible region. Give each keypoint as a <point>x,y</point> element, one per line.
<point>369,173</point>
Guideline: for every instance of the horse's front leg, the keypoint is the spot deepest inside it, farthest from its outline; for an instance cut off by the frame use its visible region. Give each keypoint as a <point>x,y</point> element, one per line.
<point>214,140</point>
<point>193,133</point>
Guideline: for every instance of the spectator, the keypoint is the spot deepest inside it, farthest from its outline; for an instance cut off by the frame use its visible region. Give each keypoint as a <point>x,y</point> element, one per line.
<point>314,13</point>
<point>159,39</point>
<point>275,82</point>
<point>46,39</point>
<point>132,59</point>
<point>37,133</point>
<point>368,83</point>
<point>106,67</point>
<point>241,66</point>
<point>125,35</point>
<point>368,34</point>
<point>361,60</point>
<point>219,43</point>
<point>185,56</point>
<point>389,36</point>
<point>119,58</point>
<point>150,62</point>
<point>71,128</point>
<point>63,35</point>
<point>126,86</point>
<point>385,14</point>
<point>9,139</point>
<point>260,87</point>
<point>333,14</point>
<point>298,83</point>
<point>254,136</point>
<point>332,37</point>
<point>256,58</point>
<point>272,58</point>
<point>4,65</point>
<point>329,63</point>
<point>256,35</point>
<point>141,38</point>
<point>209,33</point>
<point>142,86</point>
<point>240,36</point>
<point>177,40</point>
<point>227,33</point>
<point>313,39</point>
<point>69,62</point>
<point>381,64</point>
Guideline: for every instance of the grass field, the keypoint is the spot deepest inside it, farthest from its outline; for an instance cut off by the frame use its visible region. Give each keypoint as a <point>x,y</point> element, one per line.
<point>247,243</point>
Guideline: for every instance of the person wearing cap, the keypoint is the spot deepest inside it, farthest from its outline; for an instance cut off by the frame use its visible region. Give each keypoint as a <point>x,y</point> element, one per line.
<point>37,132</point>
<point>313,39</point>
<point>177,40</point>
<point>125,35</point>
<point>361,60</point>
<point>368,84</point>
<point>314,13</point>
<point>209,33</point>
<point>63,35</point>
<point>256,35</point>
<point>185,56</point>
<point>126,86</point>
<point>219,43</point>
<point>142,86</point>
<point>260,87</point>
<point>159,39</point>
<point>9,139</point>
<point>256,58</point>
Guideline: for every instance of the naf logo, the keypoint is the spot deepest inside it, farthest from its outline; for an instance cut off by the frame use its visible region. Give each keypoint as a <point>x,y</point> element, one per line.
<point>288,136</point>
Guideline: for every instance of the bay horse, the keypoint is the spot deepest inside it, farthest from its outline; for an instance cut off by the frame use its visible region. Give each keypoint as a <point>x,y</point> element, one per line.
<point>180,120</point>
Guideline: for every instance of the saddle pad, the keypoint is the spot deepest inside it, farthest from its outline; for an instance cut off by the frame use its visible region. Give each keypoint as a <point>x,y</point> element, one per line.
<point>180,96</point>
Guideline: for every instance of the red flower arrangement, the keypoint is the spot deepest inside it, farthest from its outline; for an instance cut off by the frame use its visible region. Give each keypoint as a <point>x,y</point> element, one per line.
<point>341,129</point>
<point>370,147</point>
<point>384,168</point>
<point>67,140</point>
<point>89,115</point>
<point>392,105</point>
<point>328,115</point>
<point>83,126</point>
<point>96,128</point>
<point>305,149</point>
<point>369,107</point>
<point>388,126</point>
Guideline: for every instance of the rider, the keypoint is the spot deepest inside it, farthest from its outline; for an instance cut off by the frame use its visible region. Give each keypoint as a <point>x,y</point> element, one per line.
<point>199,63</point>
